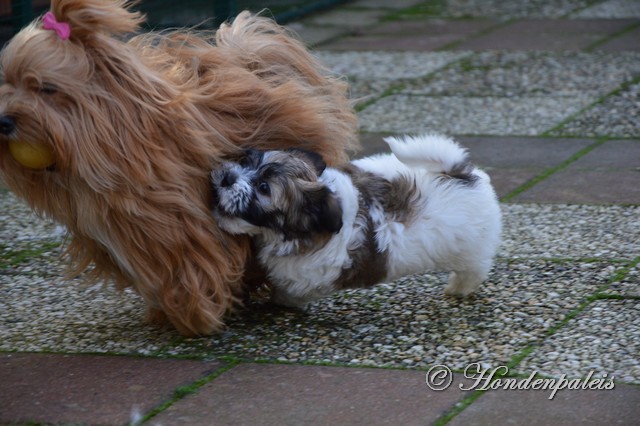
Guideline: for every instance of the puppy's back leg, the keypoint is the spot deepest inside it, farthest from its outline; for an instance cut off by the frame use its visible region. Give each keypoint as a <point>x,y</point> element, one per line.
<point>463,283</point>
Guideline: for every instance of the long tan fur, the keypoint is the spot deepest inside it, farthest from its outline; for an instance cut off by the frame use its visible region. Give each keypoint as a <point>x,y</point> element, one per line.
<point>135,128</point>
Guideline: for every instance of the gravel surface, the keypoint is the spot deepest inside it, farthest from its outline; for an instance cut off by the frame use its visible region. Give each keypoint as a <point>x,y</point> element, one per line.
<point>605,338</point>
<point>612,9</point>
<point>370,74</point>
<point>617,116</point>
<point>524,116</point>
<point>545,74</point>
<point>409,323</point>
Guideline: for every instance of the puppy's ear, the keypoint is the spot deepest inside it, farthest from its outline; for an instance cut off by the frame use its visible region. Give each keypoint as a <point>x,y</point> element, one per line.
<point>312,158</point>
<point>251,157</point>
<point>324,210</point>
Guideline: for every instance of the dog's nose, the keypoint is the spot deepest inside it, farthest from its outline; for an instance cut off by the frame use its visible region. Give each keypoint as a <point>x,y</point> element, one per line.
<point>227,180</point>
<point>7,125</point>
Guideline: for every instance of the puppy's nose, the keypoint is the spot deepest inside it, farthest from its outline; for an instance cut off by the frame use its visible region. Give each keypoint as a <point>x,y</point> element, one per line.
<point>7,125</point>
<point>227,180</point>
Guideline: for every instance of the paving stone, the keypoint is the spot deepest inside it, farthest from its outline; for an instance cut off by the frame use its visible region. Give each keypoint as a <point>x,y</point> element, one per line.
<point>468,115</point>
<point>608,174</point>
<point>85,389</point>
<point>422,35</point>
<point>616,116</point>
<point>386,65</point>
<point>612,155</point>
<point>604,339</point>
<point>535,34</point>
<point>502,9</point>
<point>370,74</point>
<point>521,152</point>
<point>568,407</point>
<point>291,395</point>
<point>585,187</point>
<point>315,35</point>
<point>354,19</point>
<point>611,9</point>
<point>627,42</point>
<point>385,4</point>
<point>549,74</point>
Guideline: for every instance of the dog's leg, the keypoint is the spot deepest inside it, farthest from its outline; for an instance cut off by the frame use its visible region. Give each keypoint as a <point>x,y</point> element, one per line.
<point>463,283</point>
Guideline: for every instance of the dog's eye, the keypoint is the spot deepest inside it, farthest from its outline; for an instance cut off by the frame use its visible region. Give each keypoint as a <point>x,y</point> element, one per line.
<point>263,188</point>
<point>48,89</point>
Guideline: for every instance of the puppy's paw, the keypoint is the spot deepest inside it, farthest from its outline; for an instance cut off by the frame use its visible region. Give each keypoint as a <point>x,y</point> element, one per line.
<point>462,284</point>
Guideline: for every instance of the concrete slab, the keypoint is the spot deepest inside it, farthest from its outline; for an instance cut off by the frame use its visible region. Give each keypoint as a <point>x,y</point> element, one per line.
<point>294,394</point>
<point>411,35</point>
<point>568,407</point>
<point>628,42</point>
<point>585,187</point>
<point>538,34</point>
<point>608,174</point>
<point>86,389</point>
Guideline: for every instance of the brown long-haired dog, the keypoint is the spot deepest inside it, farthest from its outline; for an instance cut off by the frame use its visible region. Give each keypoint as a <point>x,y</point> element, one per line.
<point>115,139</point>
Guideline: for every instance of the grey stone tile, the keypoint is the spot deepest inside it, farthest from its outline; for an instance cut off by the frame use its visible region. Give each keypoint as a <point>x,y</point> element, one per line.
<point>569,407</point>
<point>293,395</point>
<point>502,9</point>
<point>548,74</point>
<point>527,116</point>
<point>84,389</point>
<point>547,35</point>
<point>411,35</point>
<point>616,116</point>
<point>612,155</point>
<point>521,152</point>
<point>349,18</point>
<point>384,4</point>
<point>408,43</point>
<point>604,338</point>
<point>609,174</point>
<point>611,9</point>
<point>585,187</point>
<point>626,42</point>
<point>313,35</point>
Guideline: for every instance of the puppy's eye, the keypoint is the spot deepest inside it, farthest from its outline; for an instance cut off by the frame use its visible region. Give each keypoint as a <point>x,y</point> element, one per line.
<point>48,89</point>
<point>263,188</point>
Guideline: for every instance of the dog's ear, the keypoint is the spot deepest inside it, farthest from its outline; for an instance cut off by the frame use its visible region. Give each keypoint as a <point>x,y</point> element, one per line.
<point>312,158</point>
<point>324,210</point>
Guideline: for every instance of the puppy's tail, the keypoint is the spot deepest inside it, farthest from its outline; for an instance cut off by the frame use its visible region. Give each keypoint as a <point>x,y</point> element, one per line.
<point>436,153</point>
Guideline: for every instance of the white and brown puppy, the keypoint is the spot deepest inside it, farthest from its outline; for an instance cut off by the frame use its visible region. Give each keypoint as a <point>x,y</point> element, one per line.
<point>319,230</point>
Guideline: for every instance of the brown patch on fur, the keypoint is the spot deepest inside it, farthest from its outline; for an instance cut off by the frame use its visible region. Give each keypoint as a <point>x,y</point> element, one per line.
<point>136,127</point>
<point>398,197</point>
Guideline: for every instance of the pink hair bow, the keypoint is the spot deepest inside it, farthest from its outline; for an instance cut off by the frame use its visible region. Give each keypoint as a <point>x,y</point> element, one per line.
<point>49,22</point>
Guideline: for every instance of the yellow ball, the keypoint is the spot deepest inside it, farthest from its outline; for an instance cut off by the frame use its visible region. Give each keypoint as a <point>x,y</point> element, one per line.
<point>31,154</point>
